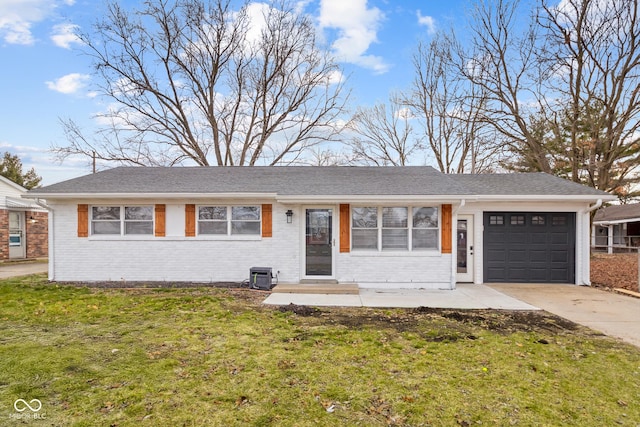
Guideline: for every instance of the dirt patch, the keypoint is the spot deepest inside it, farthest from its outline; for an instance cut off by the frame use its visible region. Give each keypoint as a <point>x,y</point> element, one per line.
<point>615,271</point>
<point>451,325</point>
<point>300,310</point>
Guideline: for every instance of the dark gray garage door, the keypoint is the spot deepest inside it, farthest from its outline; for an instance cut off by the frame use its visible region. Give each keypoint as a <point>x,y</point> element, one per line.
<point>529,247</point>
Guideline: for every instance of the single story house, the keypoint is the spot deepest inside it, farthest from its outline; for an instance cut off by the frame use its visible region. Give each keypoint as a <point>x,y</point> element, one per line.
<point>616,227</point>
<point>23,224</point>
<point>374,226</point>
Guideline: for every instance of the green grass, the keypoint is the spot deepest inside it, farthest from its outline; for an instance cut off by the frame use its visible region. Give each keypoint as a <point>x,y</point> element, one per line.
<point>217,357</point>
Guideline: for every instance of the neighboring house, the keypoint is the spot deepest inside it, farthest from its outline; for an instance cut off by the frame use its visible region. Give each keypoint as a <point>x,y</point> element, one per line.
<point>616,227</point>
<point>23,224</point>
<point>376,226</point>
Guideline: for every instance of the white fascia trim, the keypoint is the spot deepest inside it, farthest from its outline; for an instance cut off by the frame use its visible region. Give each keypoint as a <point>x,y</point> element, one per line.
<point>540,198</point>
<point>75,196</point>
<point>617,221</point>
<point>368,199</point>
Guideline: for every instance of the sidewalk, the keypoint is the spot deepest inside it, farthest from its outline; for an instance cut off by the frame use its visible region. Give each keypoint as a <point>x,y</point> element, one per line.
<point>465,296</point>
<point>15,269</point>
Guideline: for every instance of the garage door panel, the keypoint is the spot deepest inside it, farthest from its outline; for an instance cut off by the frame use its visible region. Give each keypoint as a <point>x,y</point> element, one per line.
<point>559,238</point>
<point>559,275</point>
<point>529,247</point>
<point>539,274</point>
<point>517,255</point>
<point>517,274</point>
<point>498,274</point>
<point>559,257</point>
<point>538,256</point>
<point>538,238</point>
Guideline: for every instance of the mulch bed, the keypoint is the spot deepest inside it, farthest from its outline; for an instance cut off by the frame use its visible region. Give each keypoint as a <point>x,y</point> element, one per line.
<point>615,271</point>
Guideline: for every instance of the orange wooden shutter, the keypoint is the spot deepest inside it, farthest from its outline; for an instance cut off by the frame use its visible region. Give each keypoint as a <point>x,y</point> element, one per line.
<point>160,220</point>
<point>446,229</point>
<point>345,229</point>
<point>83,220</point>
<point>267,221</point>
<point>190,220</point>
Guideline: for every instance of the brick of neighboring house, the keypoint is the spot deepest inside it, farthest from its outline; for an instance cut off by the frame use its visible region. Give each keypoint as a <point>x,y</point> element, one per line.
<point>4,234</point>
<point>37,234</point>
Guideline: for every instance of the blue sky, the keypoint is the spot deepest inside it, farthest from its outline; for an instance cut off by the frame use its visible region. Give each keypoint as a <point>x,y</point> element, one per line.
<point>45,77</point>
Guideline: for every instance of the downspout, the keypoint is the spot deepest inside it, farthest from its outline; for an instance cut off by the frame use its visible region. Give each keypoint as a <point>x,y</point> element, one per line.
<point>586,269</point>
<point>454,244</point>
<point>50,227</point>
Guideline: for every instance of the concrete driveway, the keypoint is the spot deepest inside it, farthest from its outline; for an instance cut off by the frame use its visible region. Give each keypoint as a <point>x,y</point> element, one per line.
<point>610,313</point>
<point>15,269</point>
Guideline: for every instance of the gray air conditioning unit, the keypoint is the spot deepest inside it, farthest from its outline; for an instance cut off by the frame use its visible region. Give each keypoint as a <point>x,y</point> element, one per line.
<point>260,278</point>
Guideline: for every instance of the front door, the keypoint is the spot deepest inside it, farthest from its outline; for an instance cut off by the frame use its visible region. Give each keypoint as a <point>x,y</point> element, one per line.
<point>319,242</point>
<point>17,247</point>
<point>465,248</point>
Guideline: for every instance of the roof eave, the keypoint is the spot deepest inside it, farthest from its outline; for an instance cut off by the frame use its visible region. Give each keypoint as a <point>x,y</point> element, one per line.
<point>65,196</point>
<point>616,221</point>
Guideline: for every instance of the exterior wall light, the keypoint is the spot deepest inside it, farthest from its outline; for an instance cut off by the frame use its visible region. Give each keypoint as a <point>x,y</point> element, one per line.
<point>289,214</point>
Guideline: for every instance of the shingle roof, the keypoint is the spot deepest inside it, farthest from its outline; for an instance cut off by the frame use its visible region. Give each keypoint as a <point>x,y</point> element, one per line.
<point>617,213</point>
<point>311,181</point>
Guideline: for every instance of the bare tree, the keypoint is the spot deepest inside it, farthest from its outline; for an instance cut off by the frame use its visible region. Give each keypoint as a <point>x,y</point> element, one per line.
<point>196,81</point>
<point>449,109</point>
<point>563,86</point>
<point>592,54</point>
<point>383,134</point>
<point>502,65</point>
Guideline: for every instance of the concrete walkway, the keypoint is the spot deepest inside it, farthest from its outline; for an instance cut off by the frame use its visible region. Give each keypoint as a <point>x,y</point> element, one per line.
<point>15,269</point>
<point>610,313</point>
<point>466,296</point>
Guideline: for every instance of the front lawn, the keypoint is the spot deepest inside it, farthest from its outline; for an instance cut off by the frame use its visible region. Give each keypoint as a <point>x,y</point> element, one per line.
<point>217,357</point>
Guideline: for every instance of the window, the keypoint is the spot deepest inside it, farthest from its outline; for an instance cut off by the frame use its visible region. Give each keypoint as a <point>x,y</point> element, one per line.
<point>395,232</point>
<point>245,220</point>
<point>138,220</point>
<point>212,220</point>
<point>395,229</point>
<point>517,220</point>
<point>364,223</point>
<point>225,220</point>
<point>538,220</point>
<point>425,228</point>
<point>496,220</point>
<point>558,220</point>
<point>114,220</point>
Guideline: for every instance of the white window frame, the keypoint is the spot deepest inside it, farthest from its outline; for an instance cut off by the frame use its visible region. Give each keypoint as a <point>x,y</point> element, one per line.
<point>229,221</point>
<point>123,221</point>
<point>409,229</point>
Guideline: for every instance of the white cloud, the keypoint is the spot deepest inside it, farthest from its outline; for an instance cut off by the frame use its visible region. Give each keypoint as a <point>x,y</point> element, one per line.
<point>427,21</point>
<point>357,27</point>
<point>71,83</point>
<point>18,16</point>
<point>64,35</point>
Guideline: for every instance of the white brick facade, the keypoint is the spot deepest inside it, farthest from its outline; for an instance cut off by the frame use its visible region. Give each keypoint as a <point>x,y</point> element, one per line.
<point>176,258</point>
<point>224,259</point>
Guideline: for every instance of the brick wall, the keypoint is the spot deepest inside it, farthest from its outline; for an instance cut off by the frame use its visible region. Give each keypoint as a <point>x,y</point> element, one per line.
<point>37,236</point>
<point>4,234</point>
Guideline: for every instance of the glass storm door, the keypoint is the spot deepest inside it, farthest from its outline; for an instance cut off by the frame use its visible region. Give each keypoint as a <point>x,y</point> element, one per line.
<point>465,248</point>
<point>16,235</point>
<point>319,242</point>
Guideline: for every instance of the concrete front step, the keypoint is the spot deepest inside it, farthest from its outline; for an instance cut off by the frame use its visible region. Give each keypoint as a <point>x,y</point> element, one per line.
<point>317,288</point>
